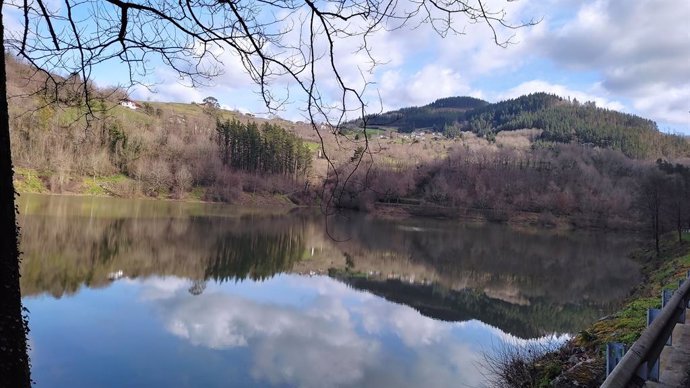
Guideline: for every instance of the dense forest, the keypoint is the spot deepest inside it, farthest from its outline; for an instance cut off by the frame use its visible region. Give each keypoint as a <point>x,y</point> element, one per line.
<point>270,149</point>
<point>436,115</point>
<point>561,121</point>
<point>565,121</point>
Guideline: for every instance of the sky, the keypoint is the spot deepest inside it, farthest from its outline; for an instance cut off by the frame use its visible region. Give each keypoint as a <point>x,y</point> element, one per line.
<point>632,56</point>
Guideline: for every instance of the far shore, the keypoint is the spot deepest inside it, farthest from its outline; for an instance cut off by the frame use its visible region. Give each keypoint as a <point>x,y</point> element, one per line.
<point>386,211</point>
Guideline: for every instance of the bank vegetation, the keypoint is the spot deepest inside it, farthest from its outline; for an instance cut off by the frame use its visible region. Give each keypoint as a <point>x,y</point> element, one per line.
<point>638,179</point>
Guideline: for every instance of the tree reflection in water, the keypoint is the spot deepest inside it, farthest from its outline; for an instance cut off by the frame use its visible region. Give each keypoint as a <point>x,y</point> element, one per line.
<point>527,282</point>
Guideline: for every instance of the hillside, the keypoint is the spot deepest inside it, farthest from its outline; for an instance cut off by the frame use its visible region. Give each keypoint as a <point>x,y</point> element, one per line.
<point>519,160</point>
<point>435,115</point>
<point>560,120</point>
<point>154,149</point>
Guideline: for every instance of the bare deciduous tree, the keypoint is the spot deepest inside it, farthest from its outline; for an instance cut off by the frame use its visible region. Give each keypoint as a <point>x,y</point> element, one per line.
<point>277,41</point>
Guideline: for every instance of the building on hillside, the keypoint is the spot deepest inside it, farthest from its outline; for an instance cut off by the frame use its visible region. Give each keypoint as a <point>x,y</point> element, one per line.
<point>127,103</point>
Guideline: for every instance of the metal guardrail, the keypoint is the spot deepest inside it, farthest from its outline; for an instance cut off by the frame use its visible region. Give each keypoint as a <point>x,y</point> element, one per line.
<point>641,361</point>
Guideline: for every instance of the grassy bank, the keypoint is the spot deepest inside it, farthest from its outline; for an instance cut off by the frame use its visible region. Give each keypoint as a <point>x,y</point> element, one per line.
<point>28,180</point>
<point>580,362</point>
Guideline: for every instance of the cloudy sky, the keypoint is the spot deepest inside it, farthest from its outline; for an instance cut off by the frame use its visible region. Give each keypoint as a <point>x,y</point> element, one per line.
<point>630,56</point>
<point>627,55</point>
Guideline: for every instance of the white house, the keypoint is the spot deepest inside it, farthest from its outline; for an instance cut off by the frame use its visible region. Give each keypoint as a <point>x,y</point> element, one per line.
<point>127,103</point>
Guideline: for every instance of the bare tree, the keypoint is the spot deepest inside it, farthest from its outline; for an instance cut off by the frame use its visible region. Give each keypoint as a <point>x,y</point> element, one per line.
<point>277,41</point>
<point>651,203</point>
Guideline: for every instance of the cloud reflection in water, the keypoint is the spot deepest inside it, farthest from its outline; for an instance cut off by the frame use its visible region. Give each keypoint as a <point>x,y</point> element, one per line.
<point>324,334</point>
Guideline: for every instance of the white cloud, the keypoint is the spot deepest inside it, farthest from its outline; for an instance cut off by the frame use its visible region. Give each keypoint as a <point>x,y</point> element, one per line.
<point>422,87</point>
<point>232,87</point>
<point>671,104</point>
<point>639,49</point>
<point>559,90</point>
<point>313,348</point>
<point>161,288</point>
<point>10,19</point>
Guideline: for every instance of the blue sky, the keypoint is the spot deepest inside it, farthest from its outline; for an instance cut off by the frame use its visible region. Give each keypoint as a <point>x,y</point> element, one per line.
<point>626,55</point>
<point>630,56</point>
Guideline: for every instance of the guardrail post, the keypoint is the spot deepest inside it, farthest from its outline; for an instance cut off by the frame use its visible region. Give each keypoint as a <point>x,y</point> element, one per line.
<point>652,373</point>
<point>687,302</point>
<point>666,295</point>
<point>614,353</point>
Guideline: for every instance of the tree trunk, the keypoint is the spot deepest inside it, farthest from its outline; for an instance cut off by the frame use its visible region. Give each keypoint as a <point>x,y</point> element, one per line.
<point>679,226</point>
<point>14,360</point>
<point>657,232</point>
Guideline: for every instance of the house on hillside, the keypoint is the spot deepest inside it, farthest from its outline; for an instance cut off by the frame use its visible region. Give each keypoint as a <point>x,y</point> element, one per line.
<point>127,103</point>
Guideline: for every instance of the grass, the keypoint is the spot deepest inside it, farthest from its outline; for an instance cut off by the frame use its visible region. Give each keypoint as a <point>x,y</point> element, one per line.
<point>383,128</point>
<point>313,146</point>
<point>551,370</point>
<point>192,109</point>
<point>626,325</point>
<point>27,180</point>
<point>96,185</point>
<point>375,132</point>
<point>131,117</point>
<point>197,194</point>
<point>372,132</point>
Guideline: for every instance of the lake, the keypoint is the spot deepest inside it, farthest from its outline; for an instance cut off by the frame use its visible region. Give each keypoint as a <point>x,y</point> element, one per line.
<point>140,293</point>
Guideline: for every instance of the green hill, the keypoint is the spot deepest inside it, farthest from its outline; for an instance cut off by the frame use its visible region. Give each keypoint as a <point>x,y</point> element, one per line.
<point>565,121</point>
<point>561,120</point>
<point>435,115</point>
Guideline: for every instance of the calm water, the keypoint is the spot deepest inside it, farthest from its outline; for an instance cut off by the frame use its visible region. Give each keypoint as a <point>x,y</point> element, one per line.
<point>126,293</point>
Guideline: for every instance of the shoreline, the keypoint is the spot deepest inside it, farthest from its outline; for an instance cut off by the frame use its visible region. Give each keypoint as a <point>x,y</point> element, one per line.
<point>27,180</point>
<point>581,360</point>
<point>384,211</point>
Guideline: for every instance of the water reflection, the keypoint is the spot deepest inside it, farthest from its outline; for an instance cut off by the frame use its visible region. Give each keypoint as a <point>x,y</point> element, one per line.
<point>224,284</point>
<point>525,282</point>
<point>310,345</point>
<point>254,254</point>
<point>575,267</point>
<point>277,333</point>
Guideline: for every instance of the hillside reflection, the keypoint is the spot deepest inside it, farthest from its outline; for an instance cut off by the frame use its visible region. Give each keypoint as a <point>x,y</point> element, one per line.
<point>527,283</point>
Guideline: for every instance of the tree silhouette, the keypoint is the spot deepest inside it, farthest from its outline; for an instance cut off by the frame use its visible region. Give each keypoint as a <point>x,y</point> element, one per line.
<point>197,287</point>
<point>275,40</point>
<point>211,102</point>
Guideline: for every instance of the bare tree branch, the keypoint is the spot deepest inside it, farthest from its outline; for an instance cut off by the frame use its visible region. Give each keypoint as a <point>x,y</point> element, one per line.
<point>188,36</point>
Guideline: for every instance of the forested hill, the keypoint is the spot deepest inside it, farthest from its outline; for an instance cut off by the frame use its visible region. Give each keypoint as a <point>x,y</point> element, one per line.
<point>561,120</point>
<point>434,115</point>
<point>156,149</point>
<point>566,121</point>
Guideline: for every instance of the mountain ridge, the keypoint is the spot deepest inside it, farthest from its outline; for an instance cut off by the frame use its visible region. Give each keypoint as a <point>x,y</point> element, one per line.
<point>561,121</point>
